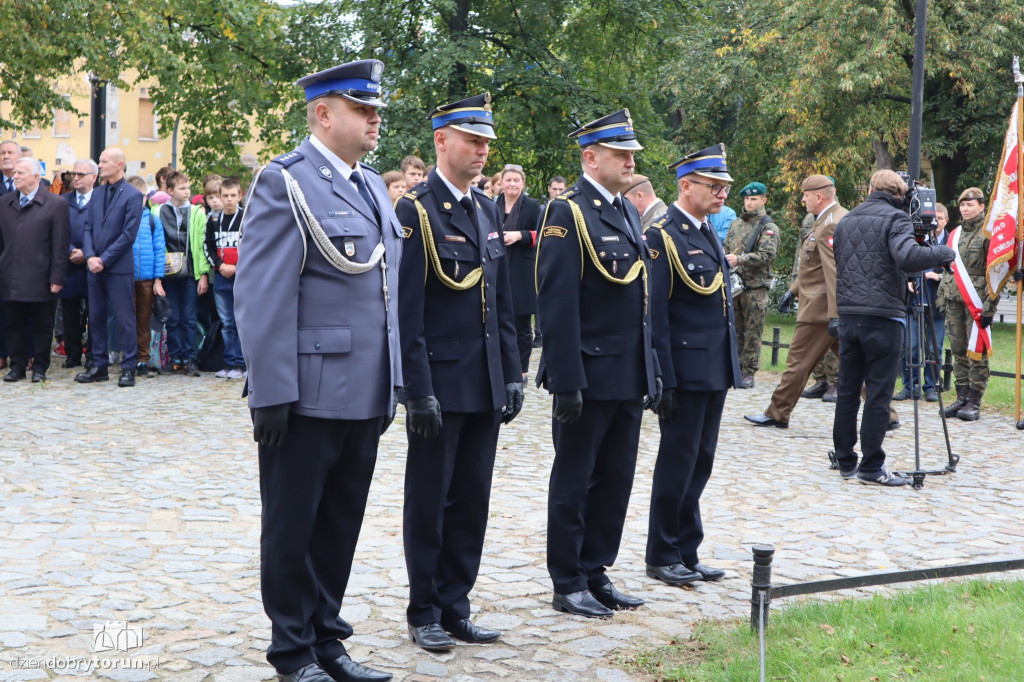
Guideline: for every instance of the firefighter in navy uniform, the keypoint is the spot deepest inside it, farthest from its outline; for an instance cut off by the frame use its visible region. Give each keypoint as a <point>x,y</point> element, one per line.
<point>691,299</point>
<point>597,360</point>
<point>462,373</point>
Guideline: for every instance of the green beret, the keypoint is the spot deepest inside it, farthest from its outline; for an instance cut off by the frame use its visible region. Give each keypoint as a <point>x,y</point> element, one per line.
<point>754,189</point>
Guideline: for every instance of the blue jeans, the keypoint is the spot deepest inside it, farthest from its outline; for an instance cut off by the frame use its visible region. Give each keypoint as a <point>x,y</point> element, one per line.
<point>933,374</point>
<point>224,297</point>
<point>181,326</point>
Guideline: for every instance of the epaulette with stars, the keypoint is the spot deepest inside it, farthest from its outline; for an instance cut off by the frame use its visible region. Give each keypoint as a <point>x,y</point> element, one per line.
<point>418,191</point>
<point>288,159</point>
<point>568,194</point>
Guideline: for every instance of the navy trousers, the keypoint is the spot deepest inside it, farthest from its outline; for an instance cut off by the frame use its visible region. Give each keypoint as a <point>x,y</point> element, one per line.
<point>117,292</point>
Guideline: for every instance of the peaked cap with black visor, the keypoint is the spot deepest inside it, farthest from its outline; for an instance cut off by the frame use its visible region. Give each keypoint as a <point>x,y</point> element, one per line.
<point>471,115</point>
<point>614,131</point>
<point>709,163</point>
<point>358,82</point>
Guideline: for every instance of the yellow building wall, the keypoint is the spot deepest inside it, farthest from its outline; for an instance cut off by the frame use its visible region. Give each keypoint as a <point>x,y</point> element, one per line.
<point>66,139</point>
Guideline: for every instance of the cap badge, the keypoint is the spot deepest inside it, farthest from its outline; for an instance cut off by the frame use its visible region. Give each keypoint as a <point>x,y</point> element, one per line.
<point>378,71</point>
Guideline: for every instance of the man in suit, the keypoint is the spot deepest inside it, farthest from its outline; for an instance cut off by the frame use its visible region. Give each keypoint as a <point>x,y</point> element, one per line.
<point>598,360</point>
<point>10,152</point>
<point>691,299</point>
<point>316,307</point>
<point>75,294</point>
<point>116,211</point>
<point>642,195</point>
<point>34,237</point>
<point>815,288</point>
<point>462,373</point>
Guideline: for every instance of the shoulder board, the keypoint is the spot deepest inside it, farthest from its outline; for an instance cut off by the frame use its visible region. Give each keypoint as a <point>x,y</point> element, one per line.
<point>369,168</point>
<point>289,158</point>
<point>476,191</point>
<point>418,191</point>
<point>659,223</point>
<point>568,194</point>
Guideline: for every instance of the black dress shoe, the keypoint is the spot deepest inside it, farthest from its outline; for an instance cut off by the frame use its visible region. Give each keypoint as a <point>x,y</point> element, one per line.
<point>673,574</point>
<point>615,600</point>
<point>467,632</point>
<point>307,673</point>
<point>893,425</point>
<point>344,669</point>
<point>765,420</point>
<point>93,375</point>
<point>706,572</point>
<point>38,376</point>
<point>127,378</point>
<point>69,363</point>
<point>431,637</point>
<point>14,375</point>
<point>815,391</point>
<point>581,603</point>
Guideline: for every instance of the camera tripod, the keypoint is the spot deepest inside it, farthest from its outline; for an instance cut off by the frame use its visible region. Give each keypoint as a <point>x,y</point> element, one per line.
<point>929,359</point>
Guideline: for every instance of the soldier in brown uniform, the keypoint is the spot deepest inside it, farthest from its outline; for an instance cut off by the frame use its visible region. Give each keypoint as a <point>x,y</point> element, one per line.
<point>826,373</point>
<point>750,249</point>
<point>971,372</point>
<point>815,288</point>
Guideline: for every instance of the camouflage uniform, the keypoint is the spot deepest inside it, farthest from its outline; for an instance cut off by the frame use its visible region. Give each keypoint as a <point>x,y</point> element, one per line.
<point>755,269</point>
<point>826,371</point>
<point>973,247</point>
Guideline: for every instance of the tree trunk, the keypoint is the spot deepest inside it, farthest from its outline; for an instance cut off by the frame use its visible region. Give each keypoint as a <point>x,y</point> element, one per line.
<point>883,157</point>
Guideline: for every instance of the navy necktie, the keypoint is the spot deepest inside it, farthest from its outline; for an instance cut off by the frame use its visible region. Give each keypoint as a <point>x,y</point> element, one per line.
<point>24,201</point>
<point>364,192</point>
<point>10,184</point>
<point>81,202</point>
<point>705,228</point>
<point>617,203</point>
<point>467,204</point>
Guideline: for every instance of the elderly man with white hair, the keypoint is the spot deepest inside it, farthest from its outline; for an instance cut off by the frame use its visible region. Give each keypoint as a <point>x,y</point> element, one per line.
<point>34,237</point>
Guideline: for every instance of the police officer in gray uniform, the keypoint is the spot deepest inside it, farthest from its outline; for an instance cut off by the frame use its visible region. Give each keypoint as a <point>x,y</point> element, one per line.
<point>316,308</point>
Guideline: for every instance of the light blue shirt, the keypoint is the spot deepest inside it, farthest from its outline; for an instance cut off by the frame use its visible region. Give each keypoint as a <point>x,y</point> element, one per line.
<point>721,221</point>
<point>32,196</point>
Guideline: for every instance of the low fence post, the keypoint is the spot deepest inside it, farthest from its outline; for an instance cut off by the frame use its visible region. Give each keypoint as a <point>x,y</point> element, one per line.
<point>761,580</point>
<point>776,336</point>
<point>947,370</point>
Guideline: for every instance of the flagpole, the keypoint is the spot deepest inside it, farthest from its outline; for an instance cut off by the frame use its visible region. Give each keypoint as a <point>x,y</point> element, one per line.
<point>1018,78</point>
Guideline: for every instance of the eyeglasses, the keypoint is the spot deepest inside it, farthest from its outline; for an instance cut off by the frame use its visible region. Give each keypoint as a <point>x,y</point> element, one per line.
<point>716,190</point>
<point>76,174</point>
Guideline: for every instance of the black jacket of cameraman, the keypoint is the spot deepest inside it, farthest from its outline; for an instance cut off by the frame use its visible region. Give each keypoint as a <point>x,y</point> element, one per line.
<point>875,249</point>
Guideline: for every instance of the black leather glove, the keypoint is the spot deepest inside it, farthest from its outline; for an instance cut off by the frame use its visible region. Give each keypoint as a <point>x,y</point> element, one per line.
<point>1018,275</point>
<point>653,401</point>
<point>568,406</point>
<point>786,303</point>
<point>986,321</point>
<point>513,401</point>
<point>424,416</point>
<point>667,408</point>
<point>394,408</point>
<point>833,327</point>
<point>270,424</point>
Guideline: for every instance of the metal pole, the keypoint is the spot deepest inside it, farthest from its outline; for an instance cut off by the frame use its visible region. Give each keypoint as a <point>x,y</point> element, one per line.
<point>917,92</point>
<point>98,117</point>
<point>776,336</point>
<point>1018,78</point>
<point>761,585</point>
<point>174,143</point>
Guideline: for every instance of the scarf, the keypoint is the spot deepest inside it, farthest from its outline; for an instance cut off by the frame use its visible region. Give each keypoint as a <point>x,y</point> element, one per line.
<point>512,217</point>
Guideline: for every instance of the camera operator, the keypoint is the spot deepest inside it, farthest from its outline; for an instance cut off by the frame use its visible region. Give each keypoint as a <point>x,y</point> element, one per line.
<point>874,248</point>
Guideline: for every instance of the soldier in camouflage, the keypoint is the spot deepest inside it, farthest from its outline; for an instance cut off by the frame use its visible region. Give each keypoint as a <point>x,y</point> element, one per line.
<point>750,247</point>
<point>971,375</point>
<point>826,372</point>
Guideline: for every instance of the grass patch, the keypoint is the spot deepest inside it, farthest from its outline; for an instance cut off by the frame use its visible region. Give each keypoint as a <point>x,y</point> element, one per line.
<point>952,632</point>
<point>1000,392</point>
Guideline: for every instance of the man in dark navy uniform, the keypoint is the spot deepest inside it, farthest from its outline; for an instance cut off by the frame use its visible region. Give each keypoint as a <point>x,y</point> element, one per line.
<point>692,307</point>
<point>316,309</point>
<point>597,360</point>
<point>462,374</point>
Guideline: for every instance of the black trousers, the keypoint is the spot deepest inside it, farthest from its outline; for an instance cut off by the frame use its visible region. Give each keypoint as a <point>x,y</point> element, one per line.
<point>118,292</point>
<point>30,320</point>
<point>686,455</point>
<point>588,494</point>
<point>524,340</point>
<point>75,315</point>
<point>314,491</point>
<point>869,356</point>
<point>447,492</point>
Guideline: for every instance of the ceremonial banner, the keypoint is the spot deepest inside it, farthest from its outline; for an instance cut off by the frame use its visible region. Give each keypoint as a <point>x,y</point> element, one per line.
<point>1001,222</point>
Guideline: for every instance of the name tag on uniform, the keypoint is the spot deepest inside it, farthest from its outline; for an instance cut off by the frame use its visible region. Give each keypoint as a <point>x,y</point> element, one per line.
<point>609,238</point>
<point>695,252</point>
<point>455,238</point>
<point>340,213</point>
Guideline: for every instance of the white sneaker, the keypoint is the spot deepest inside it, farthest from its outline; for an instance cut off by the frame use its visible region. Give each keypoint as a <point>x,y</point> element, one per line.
<point>224,374</point>
<point>236,373</point>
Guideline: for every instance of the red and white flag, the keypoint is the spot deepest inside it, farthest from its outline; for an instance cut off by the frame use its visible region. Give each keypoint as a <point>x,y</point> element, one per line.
<point>1001,222</point>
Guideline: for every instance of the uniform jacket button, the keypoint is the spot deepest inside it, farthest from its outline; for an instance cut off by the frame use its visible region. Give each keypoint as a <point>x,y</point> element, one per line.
<point>317,346</point>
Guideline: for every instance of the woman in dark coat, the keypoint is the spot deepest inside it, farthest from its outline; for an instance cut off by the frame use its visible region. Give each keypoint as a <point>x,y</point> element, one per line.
<point>521,215</point>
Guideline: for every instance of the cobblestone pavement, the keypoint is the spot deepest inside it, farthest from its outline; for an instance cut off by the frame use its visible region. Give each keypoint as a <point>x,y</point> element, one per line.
<point>141,505</point>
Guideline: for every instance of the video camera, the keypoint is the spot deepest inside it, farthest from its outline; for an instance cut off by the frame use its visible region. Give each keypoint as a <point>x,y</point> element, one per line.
<point>919,203</point>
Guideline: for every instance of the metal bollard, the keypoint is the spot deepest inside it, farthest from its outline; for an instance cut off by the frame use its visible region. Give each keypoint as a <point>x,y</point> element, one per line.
<point>776,332</point>
<point>761,580</point>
